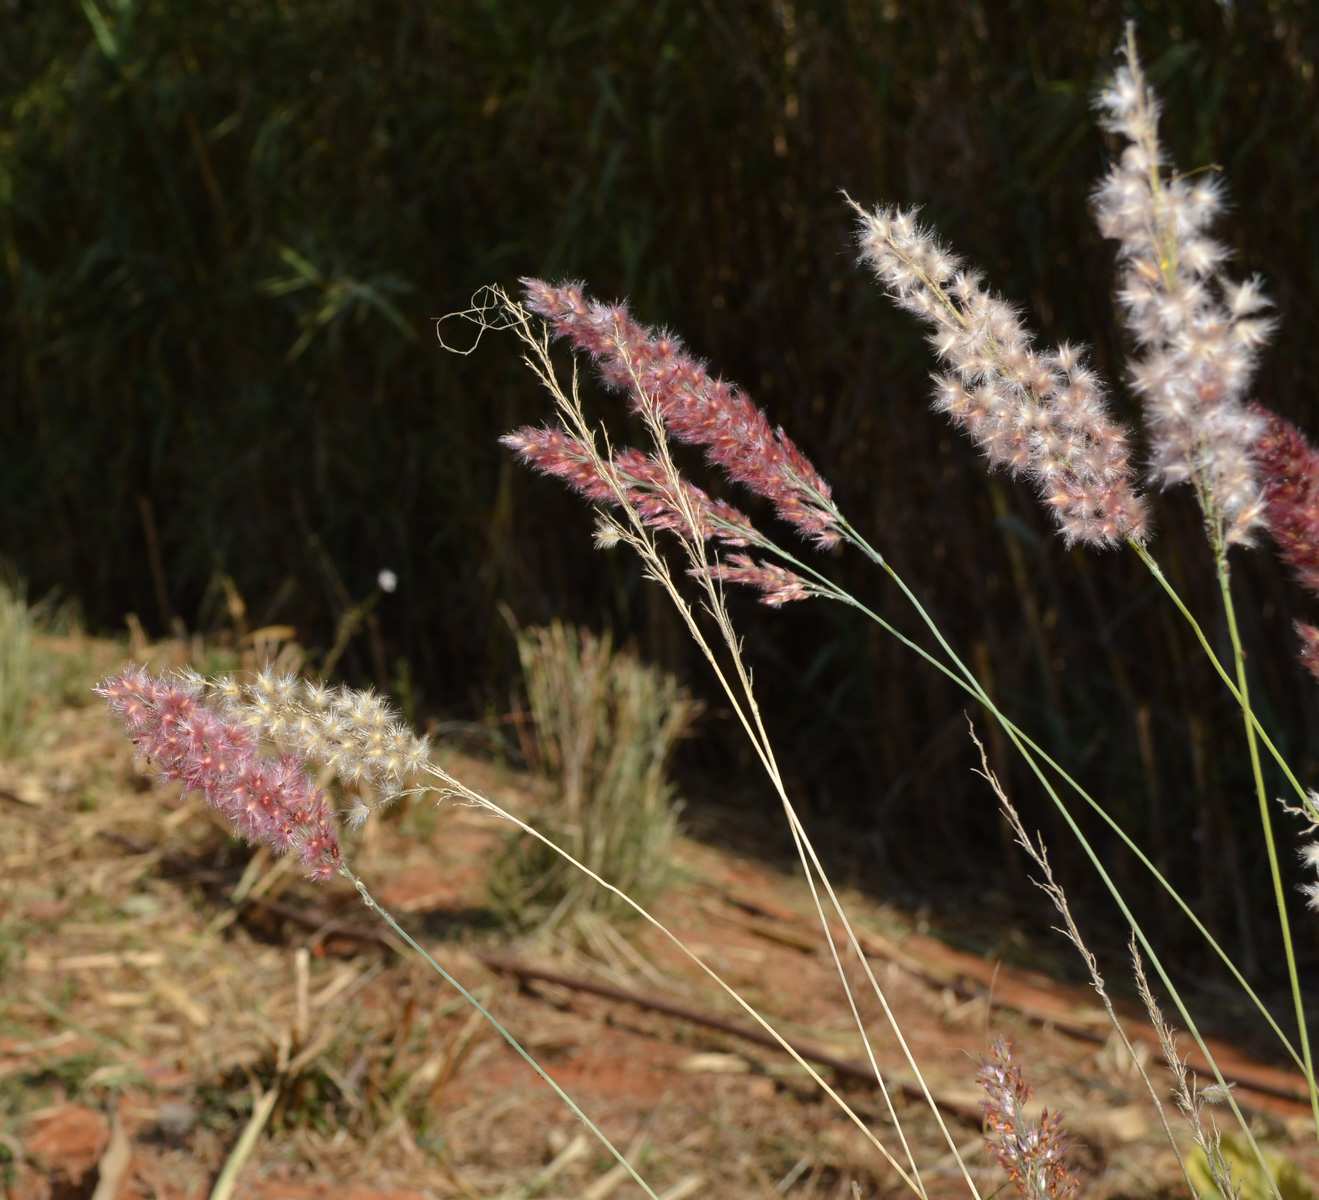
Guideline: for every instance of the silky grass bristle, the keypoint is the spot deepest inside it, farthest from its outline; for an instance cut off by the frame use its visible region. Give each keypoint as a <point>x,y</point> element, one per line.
<point>1198,334</point>
<point>1041,415</point>
<point>270,800</point>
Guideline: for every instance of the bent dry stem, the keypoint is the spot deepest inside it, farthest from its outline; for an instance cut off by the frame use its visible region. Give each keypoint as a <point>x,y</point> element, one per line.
<point>595,475</point>
<point>598,476</point>
<point>383,914</point>
<point>460,791</point>
<point>828,590</point>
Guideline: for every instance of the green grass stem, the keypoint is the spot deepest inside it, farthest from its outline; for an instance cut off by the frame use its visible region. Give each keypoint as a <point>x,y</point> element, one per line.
<point>828,590</point>
<point>1260,731</point>
<point>974,686</point>
<point>1284,924</point>
<point>372,904</point>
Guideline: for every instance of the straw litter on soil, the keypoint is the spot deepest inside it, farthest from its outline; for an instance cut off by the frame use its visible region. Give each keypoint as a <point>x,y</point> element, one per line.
<point>153,993</point>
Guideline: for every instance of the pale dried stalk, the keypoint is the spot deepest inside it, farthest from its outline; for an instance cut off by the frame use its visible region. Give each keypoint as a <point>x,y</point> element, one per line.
<point>1189,1095</point>
<point>1054,890</point>
<point>501,312</point>
<point>638,534</point>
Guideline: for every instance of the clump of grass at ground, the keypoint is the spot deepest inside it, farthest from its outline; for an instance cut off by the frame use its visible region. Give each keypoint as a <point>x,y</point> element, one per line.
<point>17,664</point>
<point>603,728</point>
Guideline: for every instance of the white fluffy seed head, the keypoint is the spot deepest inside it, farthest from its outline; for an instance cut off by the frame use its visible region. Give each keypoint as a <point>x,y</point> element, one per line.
<point>1006,395</point>
<point>1196,331</point>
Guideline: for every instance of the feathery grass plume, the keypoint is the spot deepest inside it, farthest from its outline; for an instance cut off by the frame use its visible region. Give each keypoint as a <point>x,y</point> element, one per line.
<point>1031,1152</point>
<point>1197,332</point>
<point>494,309</point>
<point>778,585</point>
<point>269,800</point>
<point>659,373</point>
<point>645,483</point>
<point>274,800</point>
<point>354,733</point>
<point>1042,415</point>
<point>651,486</point>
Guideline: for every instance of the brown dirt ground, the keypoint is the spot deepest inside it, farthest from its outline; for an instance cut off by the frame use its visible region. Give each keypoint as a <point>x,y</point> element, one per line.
<point>141,1012</point>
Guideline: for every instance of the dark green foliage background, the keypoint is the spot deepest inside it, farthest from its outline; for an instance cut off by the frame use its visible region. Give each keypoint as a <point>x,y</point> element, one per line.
<point>227,229</point>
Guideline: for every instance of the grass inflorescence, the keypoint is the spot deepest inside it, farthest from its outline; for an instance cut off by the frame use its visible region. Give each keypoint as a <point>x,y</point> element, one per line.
<point>263,752</point>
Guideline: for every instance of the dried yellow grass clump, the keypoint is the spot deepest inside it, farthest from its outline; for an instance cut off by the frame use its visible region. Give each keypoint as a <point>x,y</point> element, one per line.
<point>604,725</point>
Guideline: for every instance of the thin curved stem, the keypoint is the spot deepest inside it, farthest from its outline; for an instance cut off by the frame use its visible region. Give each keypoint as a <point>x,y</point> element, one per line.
<point>462,791</point>
<point>827,590</point>
<point>1066,814</point>
<point>1225,587</point>
<point>1155,570</point>
<point>370,902</point>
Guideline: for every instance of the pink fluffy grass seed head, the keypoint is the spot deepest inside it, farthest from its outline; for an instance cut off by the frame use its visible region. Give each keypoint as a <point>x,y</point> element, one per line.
<point>1042,415</point>
<point>1288,468</point>
<point>777,585</point>
<point>655,369</point>
<point>660,498</point>
<point>272,801</point>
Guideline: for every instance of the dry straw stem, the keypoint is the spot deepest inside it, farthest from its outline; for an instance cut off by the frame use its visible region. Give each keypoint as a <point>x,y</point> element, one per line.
<point>451,788</point>
<point>1027,748</point>
<point>1005,394</point>
<point>1036,758</point>
<point>371,903</point>
<point>961,676</point>
<point>637,534</point>
<point>1187,1092</point>
<point>1202,336</point>
<point>263,1104</point>
<point>1051,888</point>
<point>457,791</point>
<point>269,801</point>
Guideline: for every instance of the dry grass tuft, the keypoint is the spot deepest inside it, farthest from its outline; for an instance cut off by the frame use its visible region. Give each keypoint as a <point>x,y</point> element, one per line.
<point>604,726</point>
<point>17,667</point>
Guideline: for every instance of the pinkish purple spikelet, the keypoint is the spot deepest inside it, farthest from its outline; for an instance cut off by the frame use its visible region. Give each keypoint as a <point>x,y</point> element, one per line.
<point>1288,467</point>
<point>777,584</point>
<point>269,800</point>
<point>648,487</point>
<point>1030,1151</point>
<point>655,368</point>
<point>1309,655</point>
